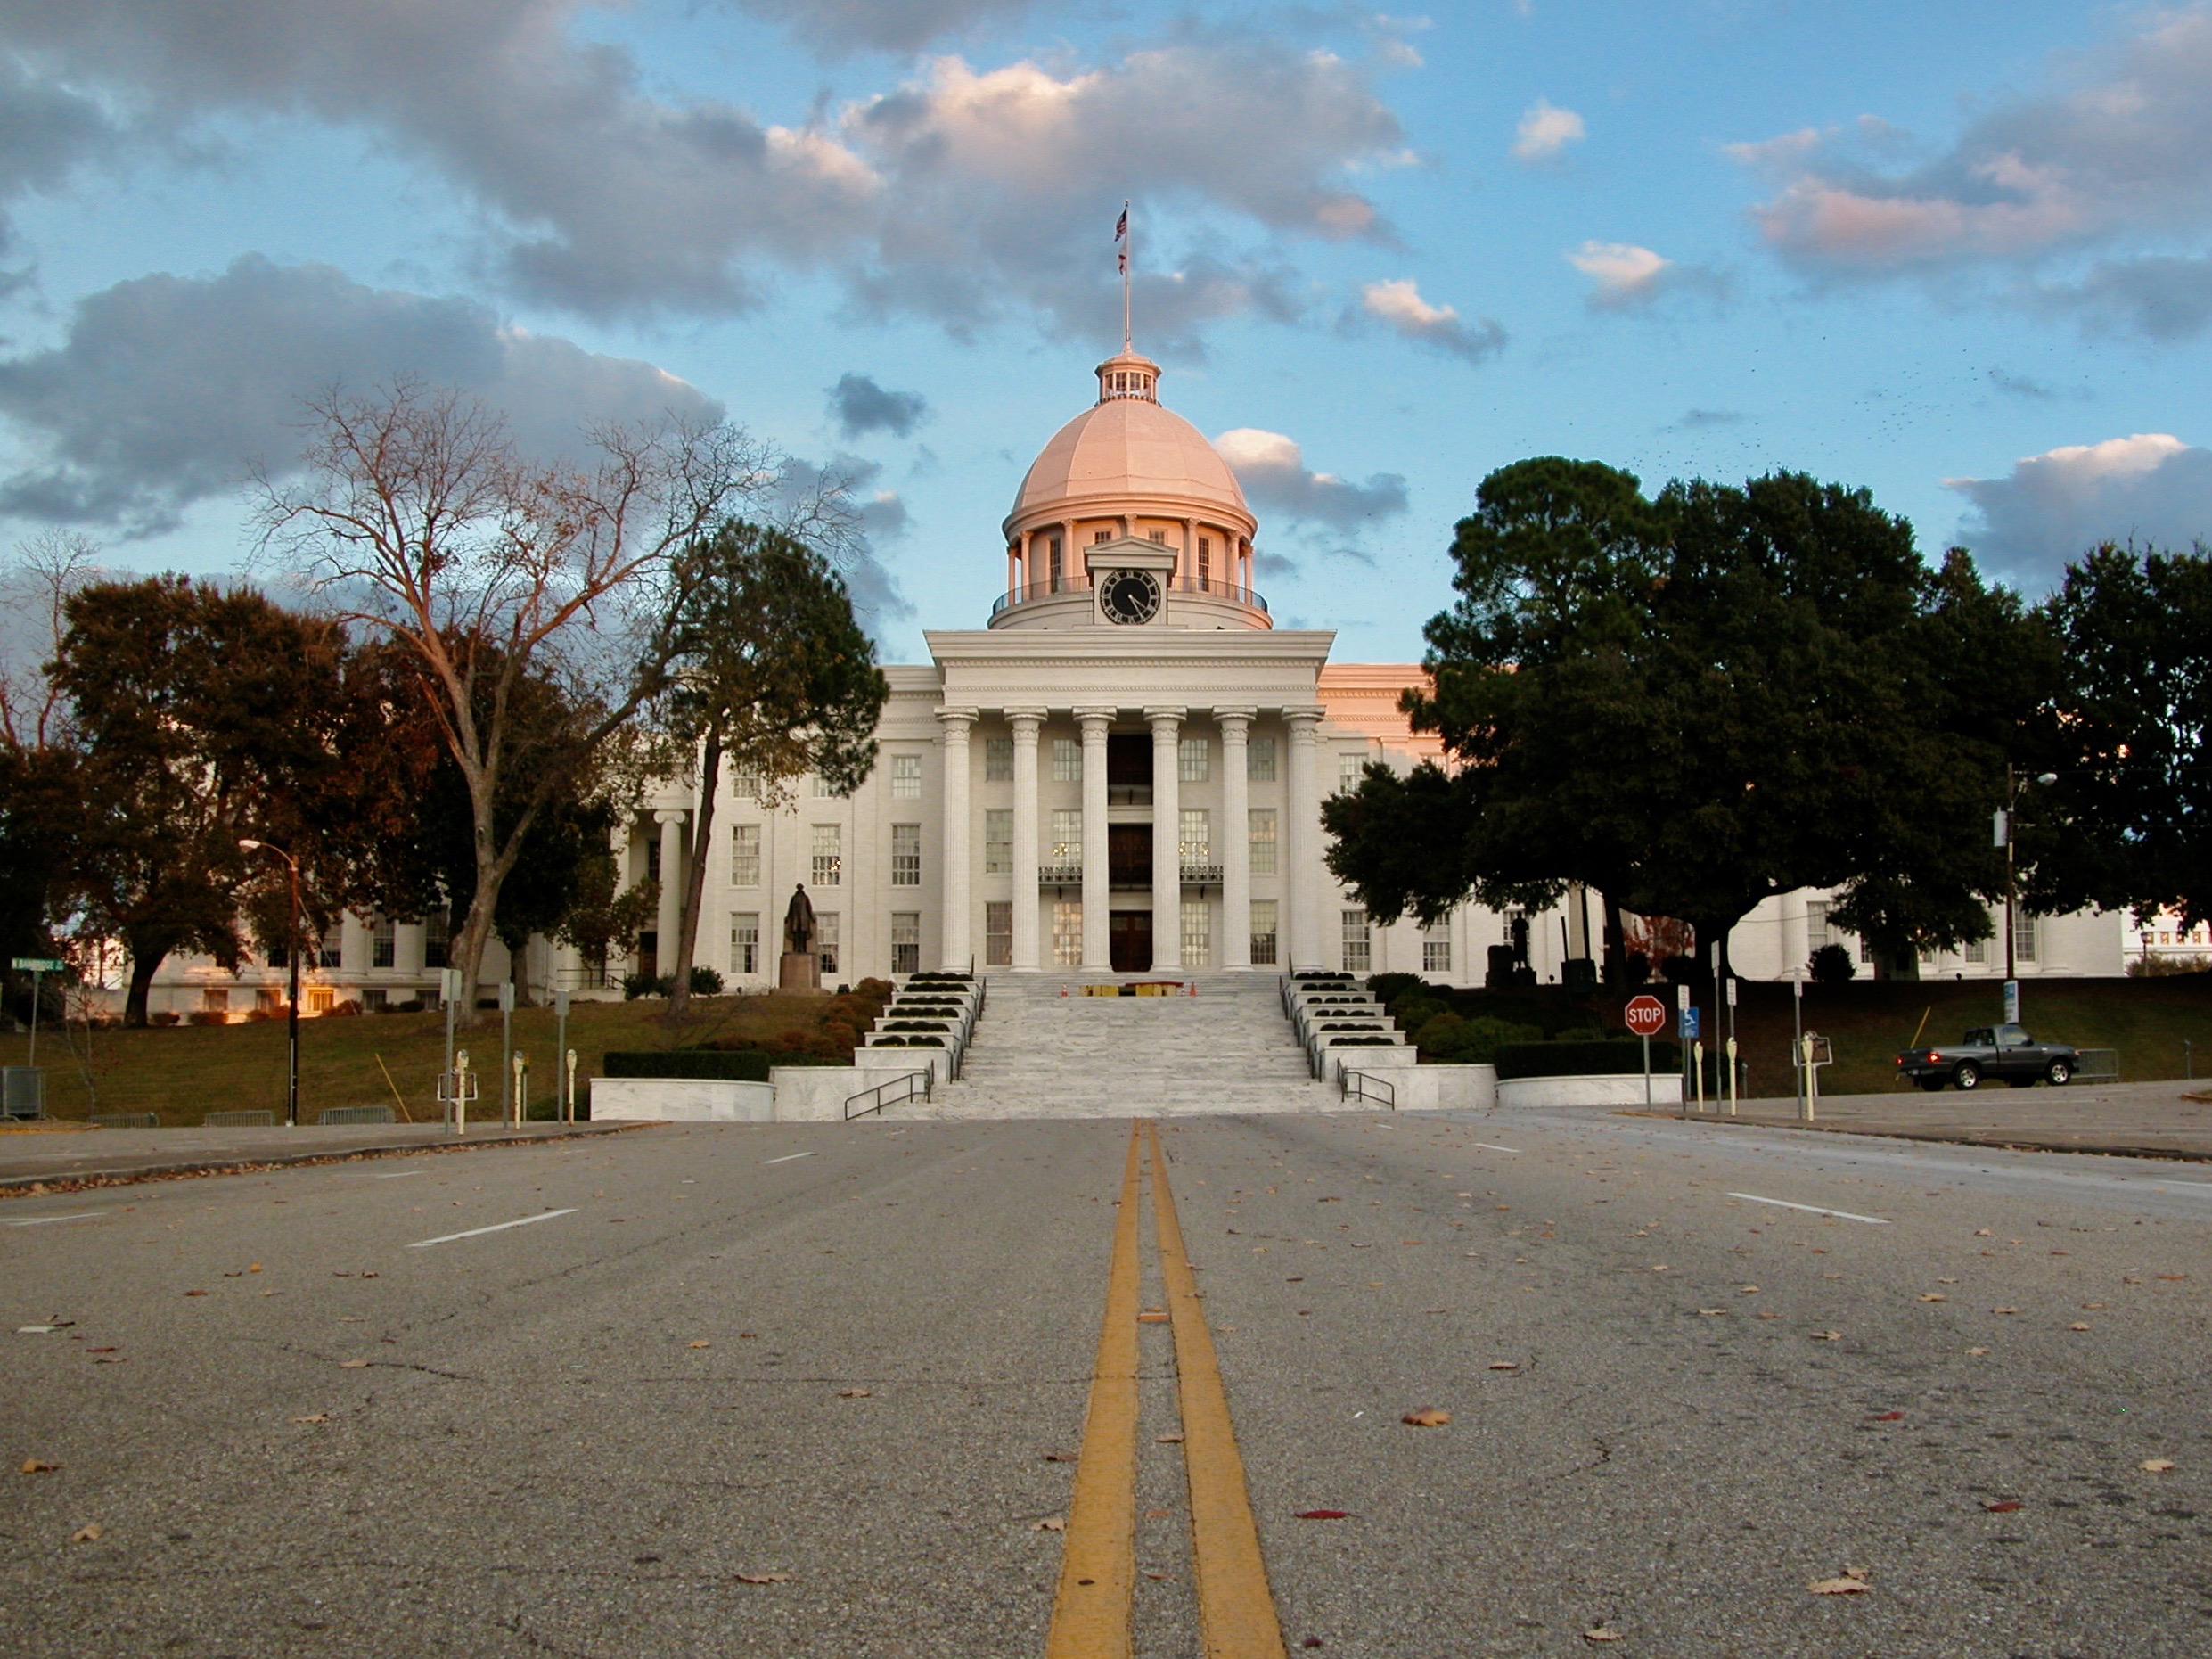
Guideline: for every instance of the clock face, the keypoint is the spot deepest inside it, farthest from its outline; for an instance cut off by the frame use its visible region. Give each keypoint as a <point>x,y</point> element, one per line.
<point>1129,596</point>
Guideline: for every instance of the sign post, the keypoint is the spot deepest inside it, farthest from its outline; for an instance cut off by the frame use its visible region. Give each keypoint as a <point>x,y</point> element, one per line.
<point>2012,1002</point>
<point>506,1043</point>
<point>1731,1046</point>
<point>35,966</point>
<point>1796,1038</point>
<point>1646,1016</point>
<point>561,1047</point>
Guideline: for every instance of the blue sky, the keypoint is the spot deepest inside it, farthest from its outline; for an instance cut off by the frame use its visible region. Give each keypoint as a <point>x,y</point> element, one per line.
<point>1956,254</point>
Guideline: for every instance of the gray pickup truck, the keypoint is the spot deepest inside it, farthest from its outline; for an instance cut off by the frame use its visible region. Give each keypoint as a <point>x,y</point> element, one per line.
<point>2005,1053</point>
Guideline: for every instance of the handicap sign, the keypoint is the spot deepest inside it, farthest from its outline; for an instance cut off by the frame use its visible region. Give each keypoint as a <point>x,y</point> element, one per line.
<point>1689,1023</point>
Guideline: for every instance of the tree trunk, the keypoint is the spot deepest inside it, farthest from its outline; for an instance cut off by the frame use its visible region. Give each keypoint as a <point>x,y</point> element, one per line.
<point>476,932</point>
<point>145,958</point>
<point>695,877</point>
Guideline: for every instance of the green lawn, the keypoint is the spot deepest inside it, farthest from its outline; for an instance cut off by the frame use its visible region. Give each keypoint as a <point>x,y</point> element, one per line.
<point>183,1072</point>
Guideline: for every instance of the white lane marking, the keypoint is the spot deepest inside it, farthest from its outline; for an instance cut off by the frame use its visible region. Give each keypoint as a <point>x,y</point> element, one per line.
<point>496,1227</point>
<point>1871,1221</point>
<point>787,1157</point>
<point>1487,1147</point>
<point>41,1220</point>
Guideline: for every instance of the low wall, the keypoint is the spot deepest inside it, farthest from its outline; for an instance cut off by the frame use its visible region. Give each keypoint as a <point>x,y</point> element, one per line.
<point>1625,1089</point>
<point>815,1093</point>
<point>680,1100</point>
<point>1435,1088</point>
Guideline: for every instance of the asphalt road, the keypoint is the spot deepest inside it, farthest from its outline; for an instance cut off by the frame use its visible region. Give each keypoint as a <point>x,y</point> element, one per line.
<point>860,1356</point>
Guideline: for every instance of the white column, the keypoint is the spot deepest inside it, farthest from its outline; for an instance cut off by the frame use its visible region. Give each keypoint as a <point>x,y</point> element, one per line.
<point>1234,840</point>
<point>1167,851</point>
<point>671,916</point>
<point>1301,878</point>
<point>958,949</point>
<point>1025,722</point>
<point>1096,900</point>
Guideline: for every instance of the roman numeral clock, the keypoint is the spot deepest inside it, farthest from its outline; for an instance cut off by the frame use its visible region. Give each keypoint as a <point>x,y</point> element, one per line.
<point>1131,577</point>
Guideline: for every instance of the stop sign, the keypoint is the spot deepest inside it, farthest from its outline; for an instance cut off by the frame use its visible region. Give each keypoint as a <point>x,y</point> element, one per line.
<point>1646,1016</point>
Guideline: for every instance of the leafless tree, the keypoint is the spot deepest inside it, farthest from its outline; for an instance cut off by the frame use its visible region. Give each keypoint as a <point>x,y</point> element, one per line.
<point>34,588</point>
<point>416,515</point>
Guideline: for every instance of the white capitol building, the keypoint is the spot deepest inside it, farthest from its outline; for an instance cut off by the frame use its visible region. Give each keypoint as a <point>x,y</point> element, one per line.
<point>1122,772</point>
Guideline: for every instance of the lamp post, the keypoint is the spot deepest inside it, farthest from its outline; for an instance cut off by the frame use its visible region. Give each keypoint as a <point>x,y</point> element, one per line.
<point>2007,821</point>
<point>292,1009</point>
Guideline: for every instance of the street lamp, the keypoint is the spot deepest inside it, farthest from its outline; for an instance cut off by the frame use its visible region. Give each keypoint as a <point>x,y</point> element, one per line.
<point>292,1012</point>
<point>2007,820</point>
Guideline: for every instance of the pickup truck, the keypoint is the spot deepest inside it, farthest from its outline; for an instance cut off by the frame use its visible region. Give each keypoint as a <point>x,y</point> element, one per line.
<point>2005,1052</point>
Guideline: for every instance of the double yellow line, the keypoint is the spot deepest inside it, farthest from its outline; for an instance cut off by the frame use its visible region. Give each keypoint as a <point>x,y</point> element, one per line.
<point>1098,1569</point>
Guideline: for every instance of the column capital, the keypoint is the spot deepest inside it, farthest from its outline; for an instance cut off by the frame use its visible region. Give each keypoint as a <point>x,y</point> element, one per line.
<point>1235,717</point>
<point>1025,720</point>
<point>1165,715</point>
<point>671,814</point>
<point>1090,717</point>
<point>1303,717</point>
<point>959,717</point>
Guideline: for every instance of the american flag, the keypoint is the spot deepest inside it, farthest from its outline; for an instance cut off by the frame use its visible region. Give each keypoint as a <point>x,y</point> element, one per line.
<point>1121,238</point>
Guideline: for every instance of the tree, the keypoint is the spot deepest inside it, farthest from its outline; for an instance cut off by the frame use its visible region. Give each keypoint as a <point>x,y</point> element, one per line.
<point>200,717</point>
<point>2129,823</point>
<point>1697,703</point>
<point>766,666</point>
<point>417,515</point>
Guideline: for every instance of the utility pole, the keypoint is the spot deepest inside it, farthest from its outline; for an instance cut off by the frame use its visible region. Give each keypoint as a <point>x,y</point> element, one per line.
<point>291,1010</point>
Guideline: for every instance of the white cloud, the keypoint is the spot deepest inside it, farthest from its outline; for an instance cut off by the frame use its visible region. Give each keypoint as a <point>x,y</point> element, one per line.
<point>2150,488</point>
<point>1624,272</point>
<point>2115,162</point>
<point>964,195</point>
<point>1271,469</point>
<point>1398,306</point>
<point>1545,131</point>
<point>837,28</point>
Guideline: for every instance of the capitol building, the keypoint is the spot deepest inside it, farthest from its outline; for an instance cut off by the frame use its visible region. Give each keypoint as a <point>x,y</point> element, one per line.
<point>1120,772</point>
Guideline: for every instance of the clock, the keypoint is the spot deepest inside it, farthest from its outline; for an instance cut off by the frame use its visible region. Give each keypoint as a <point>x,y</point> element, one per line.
<point>1129,596</point>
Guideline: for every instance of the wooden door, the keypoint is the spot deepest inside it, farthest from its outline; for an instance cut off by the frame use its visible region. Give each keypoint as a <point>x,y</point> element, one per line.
<point>1129,941</point>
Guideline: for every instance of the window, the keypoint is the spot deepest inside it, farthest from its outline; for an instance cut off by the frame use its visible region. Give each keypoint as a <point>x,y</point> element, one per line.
<point>829,855</point>
<point>2023,937</point>
<point>826,940</point>
<point>1067,933</point>
<point>332,954</point>
<point>906,941</point>
<point>822,791</point>
<point>999,840</point>
<point>1816,925</point>
<point>1194,838</point>
<point>1358,945</point>
<point>215,999</point>
<point>1099,537</point>
<point>1866,952</point>
<point>652,858</point>
<point>1198,933</point>
<point>1436,948</point>
<point>1067,761</point>
<point>1263,840</point>
<point>374,999</point>
<point>269,1000</point>
<point>1053,543</point>
<point>1348,766</point>
<point>1977,951</point>
<point>1205,564</point>
<point>1193,761</point>
<point>998,759</point>
<point>744,855</point>
<point>745,786</point>
<point>1259,760</point>
<point>1066,835</point>
<point>322,999</point>
<point>1263,932</point>
<point>383,942</point>
<point>745,942</point>
<point>905,777</point>
<point>436,941</point>
<point>998,933</point>
<point>905,856</point>
<point>1160,537</point>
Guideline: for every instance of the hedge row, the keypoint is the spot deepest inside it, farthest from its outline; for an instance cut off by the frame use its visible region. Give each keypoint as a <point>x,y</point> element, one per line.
<point>714,1065</point>
<point>1610,1057</point>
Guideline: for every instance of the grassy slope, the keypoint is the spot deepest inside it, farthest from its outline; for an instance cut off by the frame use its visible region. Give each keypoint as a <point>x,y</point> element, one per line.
<point>182,1071</point>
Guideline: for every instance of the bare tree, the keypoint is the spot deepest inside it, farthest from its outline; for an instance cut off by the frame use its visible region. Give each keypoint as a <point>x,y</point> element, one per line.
<point>34,591</point>
<point>416,515</point>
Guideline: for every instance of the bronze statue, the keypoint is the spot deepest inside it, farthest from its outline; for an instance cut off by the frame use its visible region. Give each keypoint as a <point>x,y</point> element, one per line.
<point>799,923</point>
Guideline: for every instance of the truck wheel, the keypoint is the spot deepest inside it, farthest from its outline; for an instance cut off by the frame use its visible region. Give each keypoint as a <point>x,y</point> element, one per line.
<point>2059,1074</point>
<point>1933,1085</point>
<point>1968,1075</point>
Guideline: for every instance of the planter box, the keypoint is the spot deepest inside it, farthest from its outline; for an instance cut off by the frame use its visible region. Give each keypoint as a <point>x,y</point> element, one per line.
<point>680,1100</point>
<point>1615,1090</point>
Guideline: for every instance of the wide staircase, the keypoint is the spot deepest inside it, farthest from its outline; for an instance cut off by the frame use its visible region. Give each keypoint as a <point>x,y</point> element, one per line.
<point>1044,1050</point>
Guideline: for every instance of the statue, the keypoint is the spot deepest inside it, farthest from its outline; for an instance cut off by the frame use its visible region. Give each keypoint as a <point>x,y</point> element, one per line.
<point>800,968</point>
<point>798,923</point>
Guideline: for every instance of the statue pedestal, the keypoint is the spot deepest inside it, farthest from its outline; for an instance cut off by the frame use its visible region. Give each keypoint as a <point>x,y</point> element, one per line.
<point>799,970</point>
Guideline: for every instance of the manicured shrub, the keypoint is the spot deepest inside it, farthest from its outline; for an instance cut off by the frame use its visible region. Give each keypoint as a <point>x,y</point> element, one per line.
<point>1388,988</point>
<point>705,982</point>
<point>1831,965</point>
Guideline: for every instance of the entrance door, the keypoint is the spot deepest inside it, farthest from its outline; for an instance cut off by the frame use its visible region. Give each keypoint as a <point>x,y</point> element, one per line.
<point>1129,941</point>
<point>1129,856</point>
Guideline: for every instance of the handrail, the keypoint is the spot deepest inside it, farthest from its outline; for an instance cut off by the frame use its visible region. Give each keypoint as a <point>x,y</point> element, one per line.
<point>1364,1085</point>
<point>904,1081</point>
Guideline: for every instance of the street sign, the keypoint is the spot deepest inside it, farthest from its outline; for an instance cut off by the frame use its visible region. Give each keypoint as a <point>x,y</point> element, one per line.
<point>1646,1016</point>
<point>2012,1002</point>
<point>1690,1021</point>
<point>37,965</point>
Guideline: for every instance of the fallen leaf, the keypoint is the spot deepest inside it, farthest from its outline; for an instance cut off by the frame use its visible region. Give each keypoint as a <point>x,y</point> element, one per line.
<point>1168,1440</point>
<point>1713,1313</point>
<point>763,1577</point>
<point>2173,1275</point>
<point>1601,1634</point>
<point>1933,1295</point>
<point>2005,1508</point>
<point>1051,1524</point>
<point>31,1466</point>
<point>1888,1416</point>
<point>253,1267</point>
<point>99,1350</point>
<point>1505,1364</point>
<point>88,1533</point>
<point>1852,1584</point>
<point>1059,1457</point>
<point>1981,1232</point>
<point>1747,1289</point>
<point>316,1418</point>
<point>1428,1417</point>
<point>1827,1336</point>
<point>353,1365</point>
<point>111,1359</point>
<point>1978,1352</point>
<point>195,1293</point>
<point>1324,1515</point>
<point>699,1344</point>
<point>2077,1325</point>
<point>2004,1310</point>
<point>1151,1319</point>
<point>855,1393</point>
<point>2155,1465</point>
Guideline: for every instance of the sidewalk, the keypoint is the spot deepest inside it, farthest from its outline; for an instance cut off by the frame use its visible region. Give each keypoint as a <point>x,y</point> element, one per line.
<point>2167,1120</point>
<point>53,1160</point>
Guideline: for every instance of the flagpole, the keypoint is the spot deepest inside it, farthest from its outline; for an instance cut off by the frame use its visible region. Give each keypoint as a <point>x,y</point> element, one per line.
<point>1127,241</point>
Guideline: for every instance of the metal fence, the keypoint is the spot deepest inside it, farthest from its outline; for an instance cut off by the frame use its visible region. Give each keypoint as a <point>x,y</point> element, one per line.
<point>128,1120</point>
<point>335,1115</point>
<point>239,1121</point>
<point>2098,1066</point>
